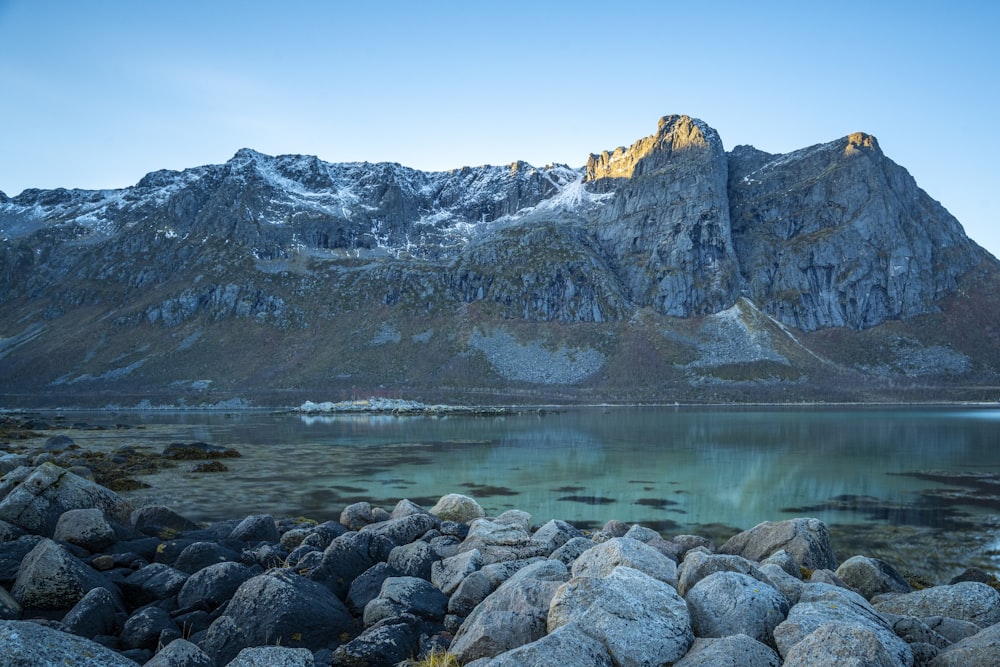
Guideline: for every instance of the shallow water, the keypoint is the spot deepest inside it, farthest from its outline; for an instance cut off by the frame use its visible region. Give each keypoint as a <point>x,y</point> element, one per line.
<point>680,470</point>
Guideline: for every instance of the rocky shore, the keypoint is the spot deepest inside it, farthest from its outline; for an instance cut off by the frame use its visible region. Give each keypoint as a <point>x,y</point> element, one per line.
<point>88,580</point>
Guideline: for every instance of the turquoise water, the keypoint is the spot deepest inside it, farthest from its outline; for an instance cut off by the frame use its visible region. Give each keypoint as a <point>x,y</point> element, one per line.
<point>870,472</point>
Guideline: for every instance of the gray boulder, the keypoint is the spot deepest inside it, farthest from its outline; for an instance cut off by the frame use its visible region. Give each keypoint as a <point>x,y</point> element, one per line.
<point>367,586</point>
<point>180,653</point>
<point>474,589</point>
<point>513,615</point>
<point>347,557</point>
<point>639,619</point>
<point>50,577</point>
<point>730,603</point>
<point>406,507</point>
<point>448,573</point>
<point>500,542</point>
<point>199,555</point>
<point>871,576</point>
<point>414,559</point>
<point>568,645</point>
<point>697,565</point>
<point>951,629</point>
<point>820,604</point>
<point>731,651</point>
<point>842,645</point>
<point>357,515</point>
<point>806,540</point>
<point>24,644</point>
<point>982,648</point>
<point>85,528</point>
<point>458,508</point>
<point>152,583</point>
<point>278,607</point>
<point>406,595</point>
<point>966,601</point>
<point>214,585</point>
<point>789,586</point>
<point>404,529</point>
<point>144,627</point>
<point>571,550</point>
<point>554,534</point>
<point>41,498</point>
<point>273,656</point>
<point>602,559</point>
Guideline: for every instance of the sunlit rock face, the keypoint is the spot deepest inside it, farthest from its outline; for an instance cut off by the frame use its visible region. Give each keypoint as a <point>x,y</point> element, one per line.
<point>838,235</point>
<point>667,230</point>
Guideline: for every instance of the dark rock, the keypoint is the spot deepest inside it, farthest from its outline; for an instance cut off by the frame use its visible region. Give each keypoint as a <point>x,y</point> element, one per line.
<point>156,519</point>
<point>153,582</point>
<point>59,443</point>
<point>571,550</point>
<point>10,610</point>
<point>981,648</point>
<point>256,528</point>
<point>198,450</point>
<point>357,516</point>
<point>278,607</point>
<point>348,556</point>
<point>474,589</point>
<point>386,644</point>
<point>405,529</point>
<point>99,612</point>
<point>86,528</point>
<point>12,553</point>
<point>213,585</point>
<point>367,586</point>
<point>199,555</point>
<point>143,628</point>
<point>406,595</point>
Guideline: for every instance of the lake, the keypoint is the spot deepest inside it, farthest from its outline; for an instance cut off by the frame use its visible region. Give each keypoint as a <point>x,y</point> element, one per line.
<point>919,486</point>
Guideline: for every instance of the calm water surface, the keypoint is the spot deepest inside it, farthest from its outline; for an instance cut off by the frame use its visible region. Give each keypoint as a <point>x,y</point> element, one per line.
<point>888,481</point>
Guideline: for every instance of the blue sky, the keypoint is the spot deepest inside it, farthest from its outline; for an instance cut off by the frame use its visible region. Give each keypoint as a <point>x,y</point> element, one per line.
<point>96,94</point>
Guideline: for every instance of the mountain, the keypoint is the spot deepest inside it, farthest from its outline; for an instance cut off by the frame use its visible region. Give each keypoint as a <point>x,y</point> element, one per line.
<point>669,270</point>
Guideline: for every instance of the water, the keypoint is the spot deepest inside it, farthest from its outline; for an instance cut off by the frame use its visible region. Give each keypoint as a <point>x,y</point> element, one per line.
<point>898,482</point>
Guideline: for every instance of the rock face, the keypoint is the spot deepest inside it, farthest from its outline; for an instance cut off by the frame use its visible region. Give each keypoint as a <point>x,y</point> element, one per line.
<point>463,276</point>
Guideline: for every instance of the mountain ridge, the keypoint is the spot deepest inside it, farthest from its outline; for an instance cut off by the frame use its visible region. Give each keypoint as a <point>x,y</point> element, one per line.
<point>460,275</point>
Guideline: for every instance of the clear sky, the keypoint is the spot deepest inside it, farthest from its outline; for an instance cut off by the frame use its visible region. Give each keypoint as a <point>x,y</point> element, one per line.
<point>96,93</point>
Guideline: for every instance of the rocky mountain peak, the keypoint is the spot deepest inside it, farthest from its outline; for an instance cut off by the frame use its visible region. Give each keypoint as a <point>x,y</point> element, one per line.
<point>859,141</point>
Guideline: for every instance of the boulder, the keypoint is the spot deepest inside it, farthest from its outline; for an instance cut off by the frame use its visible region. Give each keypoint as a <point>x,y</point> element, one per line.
<point>731,603</point>
<point>966,601</point>
<point>181,653</point>
<point>386,644</point>
<point>25,644</point>
<point>500,542</point>
<point>789,586</point>
<point>357,515</point>
<point>639,619</point>
<point>406,507</point>
<point>347,557</point>
<point>43,496</point>
<point>256,528</point>
<point>85,528</point>
<point>568,645</point>
<point>214,585</point>
<point>414,559</point>
<point>154,520</point>
<point>602,559</point>
<point>367,586</point>
<point>843,645</point>
<point>982,648</point>
<point>571,550</point>
<point>951,629</point>
<point>554,534</point>
<point>406,595</point>
<point>820,604</point>
<point>99,612</point>
<point>806,540</point>
<point>871,576</point>
<point>199,555</point>
<point>144,627</point>
<point>697,565</point>
<point>273,656</point>
<point>459,508</point>
<point>513,615</point>
<point>278,607</point>
<point>404,529</point>
<point>448,573</point>
<point>12,554</point>
<point>151,583</point>
<point>735,650</point>
<point>50,577</point>
<point>474,589</point>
